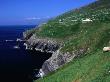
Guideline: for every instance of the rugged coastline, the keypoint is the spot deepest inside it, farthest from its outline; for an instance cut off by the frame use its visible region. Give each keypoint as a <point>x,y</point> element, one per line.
<point>78,37</point>
<point>57,59</point>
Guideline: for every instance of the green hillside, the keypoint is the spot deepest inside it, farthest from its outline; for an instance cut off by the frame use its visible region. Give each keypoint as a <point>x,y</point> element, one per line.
<point>74,34</point>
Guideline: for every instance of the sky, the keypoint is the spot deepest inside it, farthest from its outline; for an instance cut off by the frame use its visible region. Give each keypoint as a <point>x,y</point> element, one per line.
<point>21,12</point>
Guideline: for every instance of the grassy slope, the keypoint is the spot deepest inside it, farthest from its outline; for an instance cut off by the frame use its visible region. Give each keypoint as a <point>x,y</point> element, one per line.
<point>94,66</point>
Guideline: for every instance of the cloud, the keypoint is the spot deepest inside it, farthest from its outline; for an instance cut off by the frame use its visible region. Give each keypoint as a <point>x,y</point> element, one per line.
<point>37,18</point>
<point>33,18</point>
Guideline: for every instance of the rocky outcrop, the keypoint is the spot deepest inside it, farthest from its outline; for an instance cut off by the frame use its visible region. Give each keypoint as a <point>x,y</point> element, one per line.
<point>41,44</point>
<point>27,35</point>
<point>58,59</point>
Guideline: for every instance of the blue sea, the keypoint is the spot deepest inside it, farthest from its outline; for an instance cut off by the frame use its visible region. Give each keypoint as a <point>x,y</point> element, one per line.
<point>17,64</point>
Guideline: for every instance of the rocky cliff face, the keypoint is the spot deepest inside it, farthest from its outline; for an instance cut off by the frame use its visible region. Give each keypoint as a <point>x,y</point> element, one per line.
<point>42,44</point>
<point>57,59</point>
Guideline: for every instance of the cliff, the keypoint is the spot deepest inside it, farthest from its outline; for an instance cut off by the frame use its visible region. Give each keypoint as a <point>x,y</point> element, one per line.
<point>76,45</point>
<point>58,58</point>
<point>42,44</point>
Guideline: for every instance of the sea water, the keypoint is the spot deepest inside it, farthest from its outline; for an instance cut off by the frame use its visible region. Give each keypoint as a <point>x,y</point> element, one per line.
<point>17,63</point>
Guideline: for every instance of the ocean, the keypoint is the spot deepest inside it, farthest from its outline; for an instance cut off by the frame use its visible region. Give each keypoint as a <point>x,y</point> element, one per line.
<point>17,64</point>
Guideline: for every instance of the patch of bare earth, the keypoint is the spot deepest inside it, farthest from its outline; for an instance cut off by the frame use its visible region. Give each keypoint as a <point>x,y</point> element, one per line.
<point>78,80</point>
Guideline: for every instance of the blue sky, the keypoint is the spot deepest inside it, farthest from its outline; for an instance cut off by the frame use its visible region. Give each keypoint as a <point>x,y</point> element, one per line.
<point>13,12</point>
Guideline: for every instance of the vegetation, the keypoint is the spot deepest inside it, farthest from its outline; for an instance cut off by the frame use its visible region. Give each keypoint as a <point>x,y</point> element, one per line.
<point>94,65</point>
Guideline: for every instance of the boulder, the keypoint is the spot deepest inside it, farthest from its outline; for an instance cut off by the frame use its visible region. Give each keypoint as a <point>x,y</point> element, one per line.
<point>105,49</point>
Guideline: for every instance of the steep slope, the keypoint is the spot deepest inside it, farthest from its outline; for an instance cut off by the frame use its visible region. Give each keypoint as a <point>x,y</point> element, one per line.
<point>82,34</point>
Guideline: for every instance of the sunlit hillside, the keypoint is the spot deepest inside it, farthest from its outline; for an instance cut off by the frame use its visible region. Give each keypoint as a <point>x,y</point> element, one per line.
<point>85,28</point>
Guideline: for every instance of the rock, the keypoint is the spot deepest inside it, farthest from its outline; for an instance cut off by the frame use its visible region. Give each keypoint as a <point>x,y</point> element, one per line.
<point>58,59</point>
<point>106,49</point>
<point>40,44</point>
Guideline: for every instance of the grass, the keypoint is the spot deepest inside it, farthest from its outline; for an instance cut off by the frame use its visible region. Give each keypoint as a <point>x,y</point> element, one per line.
<point>94,65</point>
